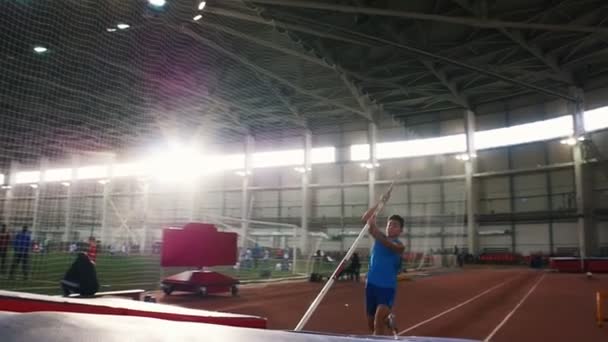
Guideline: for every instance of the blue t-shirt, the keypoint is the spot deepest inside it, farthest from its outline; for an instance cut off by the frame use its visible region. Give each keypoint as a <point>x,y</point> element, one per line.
<point>384,266</point>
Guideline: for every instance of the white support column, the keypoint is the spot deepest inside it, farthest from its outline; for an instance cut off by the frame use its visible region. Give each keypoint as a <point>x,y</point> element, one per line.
<point>8,207</point>
<point>104,235</point>
<point>249,148</point>
<point>305,191</point>
<point>584,228</point>
<point>471,193</point>
<point>373,159</point>
<point>143,244</point>
<point>36,207</point>
<point>68,200</point>
<point>372,135</point>
<point>193,192</point>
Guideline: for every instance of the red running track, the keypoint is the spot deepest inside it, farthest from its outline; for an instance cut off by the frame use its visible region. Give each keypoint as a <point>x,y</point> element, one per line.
<point>506,305</point>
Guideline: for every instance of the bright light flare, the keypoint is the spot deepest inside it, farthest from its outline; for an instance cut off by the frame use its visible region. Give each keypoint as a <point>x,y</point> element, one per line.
<point>596,119</point>
<point>178,163</point>
<point>157,3</point>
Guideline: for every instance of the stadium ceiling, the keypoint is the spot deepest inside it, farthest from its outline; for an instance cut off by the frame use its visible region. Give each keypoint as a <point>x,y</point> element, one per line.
<point>261,66</point>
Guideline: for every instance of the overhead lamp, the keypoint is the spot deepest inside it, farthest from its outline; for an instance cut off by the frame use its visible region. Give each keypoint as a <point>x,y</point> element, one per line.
<point>123,26</point>
<point>571,141</point>
<point>6,187</point>
<point>157,3</point>
<point>369,166</point>
<point>103,181</point>
<point>243,173</point>
<point>40,49</point>
<point>66,184</point>
<point>201,5</point>
<point>197,17</point>
<point>34,186</point>
<point>111,29</point>
<point>466,156</point>
<point>302,169</point>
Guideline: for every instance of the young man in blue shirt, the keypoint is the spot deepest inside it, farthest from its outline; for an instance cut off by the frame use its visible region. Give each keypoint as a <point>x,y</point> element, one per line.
<point>384,266</point>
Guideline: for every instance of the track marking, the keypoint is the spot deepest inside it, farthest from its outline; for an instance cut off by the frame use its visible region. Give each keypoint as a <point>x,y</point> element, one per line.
<point>454,307</point>
<point>500,325</point>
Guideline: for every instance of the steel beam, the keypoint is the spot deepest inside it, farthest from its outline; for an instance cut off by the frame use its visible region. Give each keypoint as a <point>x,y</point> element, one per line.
<point>265,72</point>
<point>466,21</point>
<point>372,42</point>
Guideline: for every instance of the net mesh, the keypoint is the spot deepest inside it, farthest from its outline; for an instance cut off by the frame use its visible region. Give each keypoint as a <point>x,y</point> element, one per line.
<point>91,87</point>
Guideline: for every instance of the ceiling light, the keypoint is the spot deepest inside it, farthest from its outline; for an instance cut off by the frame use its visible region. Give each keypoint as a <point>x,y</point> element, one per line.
<point>6,187</point>
<point>157,3</point>
<point>582,138</point>
<point>302,169</point>
<point>369,166</point>
<point>103,181</point>
<point>111,29</point>
<point>34,186</point>
<point>122,26</point>
<point>569,141</point>
<point>40,49</point>
<point>243,173</point>
<point>65,183</point>
<point>197,18</point>
<point>463,157</point>
<point>202,5</point>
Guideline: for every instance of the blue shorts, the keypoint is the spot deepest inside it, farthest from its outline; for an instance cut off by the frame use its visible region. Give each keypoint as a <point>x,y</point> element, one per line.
<point>375,296</point>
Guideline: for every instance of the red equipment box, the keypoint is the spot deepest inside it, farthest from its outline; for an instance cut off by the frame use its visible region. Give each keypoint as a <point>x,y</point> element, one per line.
<point>198,245</point>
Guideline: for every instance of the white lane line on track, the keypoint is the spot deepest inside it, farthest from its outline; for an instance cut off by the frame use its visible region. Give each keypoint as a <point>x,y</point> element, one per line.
<point>500,325</point>
<point>454,307</point>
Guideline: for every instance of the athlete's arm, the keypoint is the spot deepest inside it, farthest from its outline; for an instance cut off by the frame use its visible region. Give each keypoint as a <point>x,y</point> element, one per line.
<point>394,246</point>
<point>384,198</point>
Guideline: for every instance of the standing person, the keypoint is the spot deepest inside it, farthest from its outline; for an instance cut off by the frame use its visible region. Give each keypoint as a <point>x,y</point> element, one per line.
<point>5,239</point>
<point>92,251</point>
<point>355,267</point>
<point>81,278</point>
<point>21,245</point>
<point>384,266</point>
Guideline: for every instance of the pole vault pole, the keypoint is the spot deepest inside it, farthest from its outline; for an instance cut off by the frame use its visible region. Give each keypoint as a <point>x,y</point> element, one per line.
<point>315,303</point>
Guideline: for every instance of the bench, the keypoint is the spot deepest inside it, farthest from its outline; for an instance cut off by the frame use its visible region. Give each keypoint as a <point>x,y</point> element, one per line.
<point>134,294</point>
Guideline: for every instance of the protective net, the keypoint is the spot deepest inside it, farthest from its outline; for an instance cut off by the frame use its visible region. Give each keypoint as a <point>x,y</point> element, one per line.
<point>121,118</point>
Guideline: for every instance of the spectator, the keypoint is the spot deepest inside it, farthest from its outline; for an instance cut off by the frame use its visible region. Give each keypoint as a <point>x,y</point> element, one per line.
<point>21,245</point>
<point>5,239</point>
<point>92,251</point>
<point>81,277</point>
<point>355,267</point>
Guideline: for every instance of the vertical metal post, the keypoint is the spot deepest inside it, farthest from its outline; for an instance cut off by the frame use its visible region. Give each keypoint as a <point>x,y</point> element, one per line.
<point>8,202</point>
<point>549,188</point>
<point>104,212</point>
<point>144,219</point>
<point>305,191</point>
<point>470,168</point>
<point>249,148</point>
<point>373,159</point>
<point>372,138</point>
<point>36,207</point>
<point>512,202</point>
<point>583,216</point>
<point>68,200</point>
